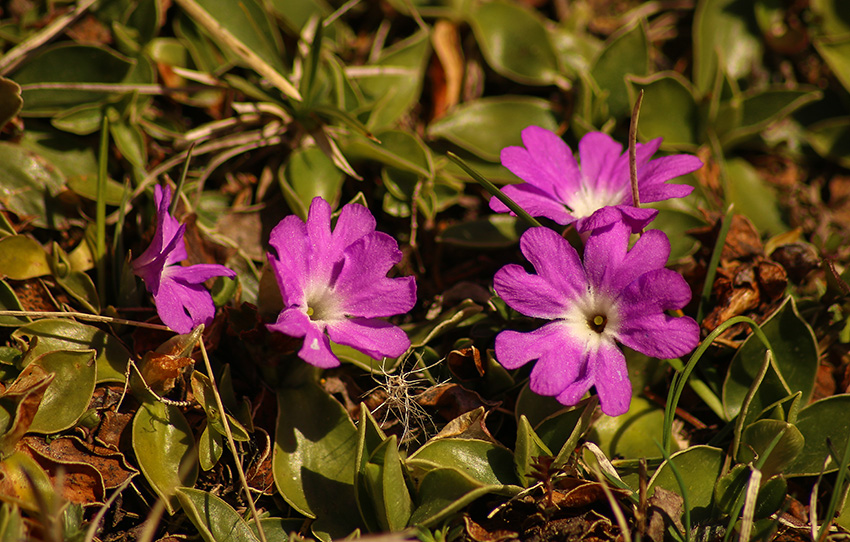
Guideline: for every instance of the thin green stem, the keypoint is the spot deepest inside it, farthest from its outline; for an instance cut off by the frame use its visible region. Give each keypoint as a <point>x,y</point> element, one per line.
<point>230,442</point>
<point>182,180</point>
<point>84,316</point>
<point>494,190</point>
<point>711,271</point>
<point>100,210</point>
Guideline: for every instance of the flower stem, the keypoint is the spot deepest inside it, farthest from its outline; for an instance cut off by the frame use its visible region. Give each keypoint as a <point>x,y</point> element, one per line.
<point>633,149</point>
<point>84,316</point>
<point>100,209</point>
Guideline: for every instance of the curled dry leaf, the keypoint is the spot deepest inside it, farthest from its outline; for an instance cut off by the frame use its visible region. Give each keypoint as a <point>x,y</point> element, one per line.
<point>25,393</point>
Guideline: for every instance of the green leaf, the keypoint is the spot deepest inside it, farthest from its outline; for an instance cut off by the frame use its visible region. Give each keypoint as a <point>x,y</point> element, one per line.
<point>369,437</point>
<point>675,224</point>
<point>164,447</point>
<point>760,109</point>
<point>669,110</point>
<point>68,395</point>
<point>796,359</point>
<point>700,466</point>
<point>836,53</point>
<point>758,435</point>
<point>495,231</point>
<point>625,54</point>
<point>9,302</point>
<point>314,458</point>
<point>832,15</point>
<point>210,448</point>
<point>73,64</point>
<point>309,173</point>
<point>632,434</point>
<point>529,447</point>
<point>86,186</point>
<point>59,334</point>
<point>215,520</point>
<point>30,184</point>
<point>444,491</point>
<point>487,125</point>
<point>10,100</point>
<point>830,138</point>
<point>817,422</point>
<point>753,197</point>
<point>22,258</point>
<point>725,37</point>
<point>482,461</point>
<point>515,42</point>
<point>385,482</point>
<point>397,149</point>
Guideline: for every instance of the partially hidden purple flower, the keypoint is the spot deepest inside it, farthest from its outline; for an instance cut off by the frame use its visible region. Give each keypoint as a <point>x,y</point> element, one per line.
<point>616,295</point>
<point>596,194</point>
<point>181,300</point>
<point>335,281</point>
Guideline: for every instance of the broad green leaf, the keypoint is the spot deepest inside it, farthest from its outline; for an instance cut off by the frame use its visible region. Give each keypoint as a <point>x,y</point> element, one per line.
<point>836,53</point>
<point>73,64</point>
<point>515,42</point>
<point>210,448</point>
<point>699,466</point>
<point>669,110</point>
<point>758,435</point>
<point>529,447</point>
<point>68,396</point>
<point>444,491</point>
<point>830,138</point>
<point>10,100</point>
<point>215,520</point>
<point>278,529</point>
<point>676,224</point>
<point>760,109</point>
<point>632,434</point>
<point>58,334</point>
<point>482,461</point>
<point>11,523</point>
<point>23,479</point>
<point>487,125</point>
<point>309,173</point>
<point>819,421</point>
<point>753,197</point>
<point>625,54</point>
<point>725,37</point>
<point>30,184</point>
<point>22,258</point>
<point>314,458</point>
<point>796,359</point>
<point>164,448</point>
<point>386,483</point>
<point>495,231</point>
<point>86,186</point>
<point>393,84</point>
<point>369,437</point>
<point>397,149</point>
<point>9,302</point>
<point>205,395</point>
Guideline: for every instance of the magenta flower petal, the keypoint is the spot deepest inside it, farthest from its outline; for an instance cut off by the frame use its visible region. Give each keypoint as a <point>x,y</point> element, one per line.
<point>181,301</point>
<point>376,338</point>
<point>534,201</point>
<point>617,294</point>
<point>611,378</point>
<point>334,281</point>
<point>555,188</point>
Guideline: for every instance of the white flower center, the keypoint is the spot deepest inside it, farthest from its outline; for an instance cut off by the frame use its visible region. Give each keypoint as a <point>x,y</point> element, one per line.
<point>586,201</point>
<point>593,319</point>
<point>322,305</point>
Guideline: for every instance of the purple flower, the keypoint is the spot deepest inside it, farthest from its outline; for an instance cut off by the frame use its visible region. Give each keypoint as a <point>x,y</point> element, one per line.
<point>336,281</point>
<point>178,292</point>
<point>614,296</point>
<point>598,193</point>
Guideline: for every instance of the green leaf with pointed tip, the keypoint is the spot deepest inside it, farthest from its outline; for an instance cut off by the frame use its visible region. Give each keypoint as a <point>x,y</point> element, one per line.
<point>58,334</point>
<point>369,437</point>
<point>164,448</point>
<point>22,258</point>
<point>819,421</point>
<point>210,448</point>
<point>760,109</point>
<point>483,461</point>
<point>30,185</point>
<point>529,447</point>
<point>444,491</point>
<point>10,100</point>
<point>832,15</point>
<point>384,479</point>
<point>487,125</point>
<point>68,396</point>
<point>836,53</point>
<point>625,54</point>
<point>11,523</point>
<point>830,138</point>
<point>309,173</point>
<point>676,224</point>
<point>84,119</point>
<point>69,63</point>
<point>9,302</point>
<point>215,520</point>
<point>86,186</point>
<point>725,35</point>
<point>796,358</point>
<point>515,42</point>
<point>669,110</point>
<point>495,231</point>
<point>753,197</point>
<point>699,466</point>
<point>314,458</point>
<point>758,435</point>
